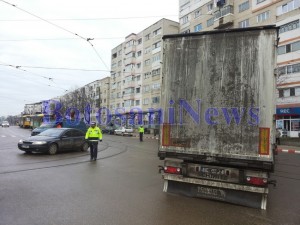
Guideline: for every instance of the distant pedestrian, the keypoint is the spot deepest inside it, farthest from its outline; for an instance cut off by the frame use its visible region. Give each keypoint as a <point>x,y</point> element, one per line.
<point>141,131</point>
<point>278,134</point>
<point>93,135</point>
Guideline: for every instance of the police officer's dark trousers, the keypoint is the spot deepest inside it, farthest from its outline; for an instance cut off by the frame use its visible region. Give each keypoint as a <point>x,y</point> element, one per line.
<point>94,149</point>
<point>141,136</point>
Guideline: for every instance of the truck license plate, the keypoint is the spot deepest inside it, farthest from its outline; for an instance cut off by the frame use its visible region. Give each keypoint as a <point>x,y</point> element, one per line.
<point>213,173</point>
<point>25,146</point>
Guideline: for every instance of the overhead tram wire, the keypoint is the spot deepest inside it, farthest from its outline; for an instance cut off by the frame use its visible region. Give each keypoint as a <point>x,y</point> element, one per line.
<point>60,27</point>
<point>103,18</point>
<point>48,78</point>
<point>63,68</point>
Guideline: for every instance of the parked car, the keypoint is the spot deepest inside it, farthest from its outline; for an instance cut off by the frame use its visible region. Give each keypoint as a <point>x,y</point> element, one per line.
<point>5,124</point>
<point>53,140</point>
<point>124,131</point>
<point>44,126</point>
<point>109,129</point>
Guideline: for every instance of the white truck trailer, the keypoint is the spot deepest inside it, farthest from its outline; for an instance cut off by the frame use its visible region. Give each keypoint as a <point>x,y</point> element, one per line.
<point>218,102</point>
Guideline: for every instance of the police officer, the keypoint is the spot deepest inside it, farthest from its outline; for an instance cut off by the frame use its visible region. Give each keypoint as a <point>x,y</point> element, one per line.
<point>141,131</point>
<point>93,135</point>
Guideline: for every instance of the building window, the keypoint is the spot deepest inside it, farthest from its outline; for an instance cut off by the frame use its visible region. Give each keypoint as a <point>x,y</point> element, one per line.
<point>138,90</point>
<point>244,23</point>
<point>210,6</point>
<point>139,53</point>
<point>289,48</point>
<point>147,37</point>
<point>259,1</point>
<point>289,26</point>
<point>286,93</point>
<point>289,69</point>
<point>210,22</point>
<point>147,62</point>
<point>138,65</point>
<point>184,19</point>
<point>156,86</point>
<point>147,50</point>
<point>130,43</point>
<point>156,72</point>
<point>244,6</point>
<point>186,31</point>
<point>224,11</point>
<point>139,41</point>
<point>156,45</point>
<point>156,58</point>
<point>145,101</point>
<point>263,16</point>
<point>147,75</point>
<point>157,32</point>
<point>155,100</point>
<point>137,102</point>
<point>184,6</point>
<point>291,5</point>
<point>198,28</point>
<point>280,91</point>
<point>138,78</point>
<point>197,13</point>
<point>146,88</point>
<point>292,91</point>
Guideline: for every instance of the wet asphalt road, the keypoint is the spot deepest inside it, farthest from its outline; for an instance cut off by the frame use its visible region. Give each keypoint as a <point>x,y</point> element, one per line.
<point>122,187</point>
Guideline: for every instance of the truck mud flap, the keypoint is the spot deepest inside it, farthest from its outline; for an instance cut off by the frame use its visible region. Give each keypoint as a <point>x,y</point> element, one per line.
<point>250,199</point>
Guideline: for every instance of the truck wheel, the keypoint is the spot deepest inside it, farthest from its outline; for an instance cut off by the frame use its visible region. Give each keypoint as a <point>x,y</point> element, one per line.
<point>85,147</point>
<point>53,149</point>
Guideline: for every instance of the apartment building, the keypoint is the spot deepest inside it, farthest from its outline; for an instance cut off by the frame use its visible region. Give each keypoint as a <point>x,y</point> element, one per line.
<point>204,15</point>
<point>96,94</point>
<point>136,70</point>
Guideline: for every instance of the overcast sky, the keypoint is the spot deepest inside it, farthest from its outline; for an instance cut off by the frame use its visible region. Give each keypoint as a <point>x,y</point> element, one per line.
<point>39,37</point>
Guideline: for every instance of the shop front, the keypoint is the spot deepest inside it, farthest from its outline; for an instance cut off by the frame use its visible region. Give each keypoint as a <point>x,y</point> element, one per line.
<point>288,119</point>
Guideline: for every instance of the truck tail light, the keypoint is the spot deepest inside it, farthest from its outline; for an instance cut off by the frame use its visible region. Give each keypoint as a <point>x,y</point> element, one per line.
<point>173,170</point>
<point>258,181</point>
<point>264,141</point>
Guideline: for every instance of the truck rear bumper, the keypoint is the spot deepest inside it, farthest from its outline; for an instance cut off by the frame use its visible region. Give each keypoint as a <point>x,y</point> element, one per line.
<point>254,197</point>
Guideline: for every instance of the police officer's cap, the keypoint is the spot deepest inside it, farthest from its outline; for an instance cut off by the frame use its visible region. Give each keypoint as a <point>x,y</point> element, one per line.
<point>93,123</point>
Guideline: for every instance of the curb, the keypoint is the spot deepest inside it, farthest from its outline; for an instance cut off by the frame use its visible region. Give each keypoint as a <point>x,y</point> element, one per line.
<point>137,136</point>
<point>293,151</point>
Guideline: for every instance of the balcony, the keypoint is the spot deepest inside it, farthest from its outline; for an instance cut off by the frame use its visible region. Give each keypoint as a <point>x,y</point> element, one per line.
<point>223,17</point>
<point>131,48</point>
<point>129,84</point>
<point>130,60</point>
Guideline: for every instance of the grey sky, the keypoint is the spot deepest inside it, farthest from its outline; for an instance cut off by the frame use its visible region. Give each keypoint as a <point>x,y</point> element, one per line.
<point>28,41</point>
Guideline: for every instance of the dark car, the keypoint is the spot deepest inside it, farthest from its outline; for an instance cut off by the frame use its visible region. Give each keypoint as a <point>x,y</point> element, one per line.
<point>53,140</point>
<point>44,126</point>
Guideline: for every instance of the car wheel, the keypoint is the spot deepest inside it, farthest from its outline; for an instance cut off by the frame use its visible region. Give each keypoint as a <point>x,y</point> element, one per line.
<point>85,147</point>
<point>53,149</point>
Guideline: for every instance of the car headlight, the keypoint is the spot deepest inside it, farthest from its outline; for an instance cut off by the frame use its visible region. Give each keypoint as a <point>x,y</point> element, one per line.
<point>21,141</point>
<point>39,142</point>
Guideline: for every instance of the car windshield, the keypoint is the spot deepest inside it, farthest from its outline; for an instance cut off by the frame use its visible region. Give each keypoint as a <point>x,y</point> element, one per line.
<point>47,125</point>
<point>55,132</point>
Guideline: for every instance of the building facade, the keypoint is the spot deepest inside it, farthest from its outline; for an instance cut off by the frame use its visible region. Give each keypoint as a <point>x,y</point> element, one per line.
<point>204,15</point>
<point>136,71</point>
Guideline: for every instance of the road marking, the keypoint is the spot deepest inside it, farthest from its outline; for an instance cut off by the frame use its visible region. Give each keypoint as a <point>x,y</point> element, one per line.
<point>3,136</point>
<point>293,151</point>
